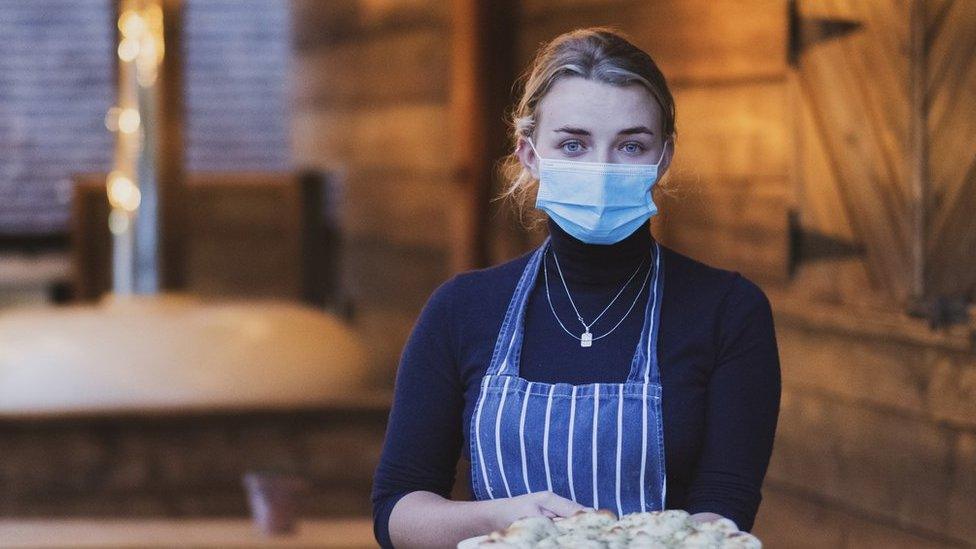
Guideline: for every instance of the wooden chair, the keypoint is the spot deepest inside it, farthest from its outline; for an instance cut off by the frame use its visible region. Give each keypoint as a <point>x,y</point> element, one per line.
<point>247,234</point>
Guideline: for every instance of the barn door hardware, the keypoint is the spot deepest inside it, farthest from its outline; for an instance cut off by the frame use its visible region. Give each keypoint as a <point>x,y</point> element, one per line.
<point>806,246</point>
<point>941,311</point>
<point>806,31</point>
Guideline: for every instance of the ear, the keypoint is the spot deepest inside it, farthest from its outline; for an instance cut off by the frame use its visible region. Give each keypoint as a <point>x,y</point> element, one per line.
<point>527,157</point>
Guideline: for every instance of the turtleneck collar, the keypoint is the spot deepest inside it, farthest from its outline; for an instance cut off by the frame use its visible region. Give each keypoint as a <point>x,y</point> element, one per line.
<point>600,264</point>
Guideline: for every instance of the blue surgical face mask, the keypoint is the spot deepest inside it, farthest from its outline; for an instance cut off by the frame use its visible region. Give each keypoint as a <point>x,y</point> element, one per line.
<point>597,202</point>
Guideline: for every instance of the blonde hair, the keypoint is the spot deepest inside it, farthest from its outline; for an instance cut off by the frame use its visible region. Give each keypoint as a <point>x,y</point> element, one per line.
<point>596,53</point>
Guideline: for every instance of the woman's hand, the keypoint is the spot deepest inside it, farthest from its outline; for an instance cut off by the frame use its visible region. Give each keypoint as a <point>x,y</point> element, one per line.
<point>504,511</point>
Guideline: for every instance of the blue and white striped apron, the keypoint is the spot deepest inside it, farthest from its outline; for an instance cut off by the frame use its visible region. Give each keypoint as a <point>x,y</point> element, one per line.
<point>598,444</point>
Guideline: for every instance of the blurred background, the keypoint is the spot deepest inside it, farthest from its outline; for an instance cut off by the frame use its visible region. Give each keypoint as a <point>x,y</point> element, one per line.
<point>219,220</point>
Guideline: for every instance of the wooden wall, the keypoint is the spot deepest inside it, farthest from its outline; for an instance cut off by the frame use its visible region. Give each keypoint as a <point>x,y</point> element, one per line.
<point>370,95</point>
<point>731,168</point>
<point>875,442</point>
<point>877,437</point>
<point>950,132</point>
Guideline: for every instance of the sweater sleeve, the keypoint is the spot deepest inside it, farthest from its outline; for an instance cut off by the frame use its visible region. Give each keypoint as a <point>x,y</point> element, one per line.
<point>742,408</point>
<point>423,435</point>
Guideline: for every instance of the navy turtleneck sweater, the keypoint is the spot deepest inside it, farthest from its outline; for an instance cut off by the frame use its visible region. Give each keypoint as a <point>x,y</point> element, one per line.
<point>716,350</point>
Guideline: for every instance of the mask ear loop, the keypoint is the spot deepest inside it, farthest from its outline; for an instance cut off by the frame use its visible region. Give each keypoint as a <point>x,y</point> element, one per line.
<point>650,192</point>
<point>664,149</point>
<point>537,155</point>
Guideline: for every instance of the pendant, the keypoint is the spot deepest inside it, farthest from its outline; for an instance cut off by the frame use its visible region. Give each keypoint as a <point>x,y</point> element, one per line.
<point>586,340</point>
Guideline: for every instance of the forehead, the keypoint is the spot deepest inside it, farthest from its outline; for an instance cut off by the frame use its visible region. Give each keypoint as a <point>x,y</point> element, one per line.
<point>595,105</point>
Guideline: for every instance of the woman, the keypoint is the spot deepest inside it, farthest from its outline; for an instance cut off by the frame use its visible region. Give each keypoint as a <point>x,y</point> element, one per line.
<point>601,370</point>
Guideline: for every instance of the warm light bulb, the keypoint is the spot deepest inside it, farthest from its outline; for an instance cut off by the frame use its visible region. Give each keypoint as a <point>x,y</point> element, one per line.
<point>128,49</point>
<point>131,24</point>
<point>112,119</point>
<point>129,120</point>
<point>122,192</point>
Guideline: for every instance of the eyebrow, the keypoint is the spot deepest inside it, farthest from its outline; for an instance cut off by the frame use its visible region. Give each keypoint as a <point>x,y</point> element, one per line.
<point>627,131</point>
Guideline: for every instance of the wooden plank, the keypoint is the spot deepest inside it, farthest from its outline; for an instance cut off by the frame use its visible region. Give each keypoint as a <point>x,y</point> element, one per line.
<point>949,58</point>
<point>244,235</point>
<point>732,40</point>
<point>885,465</point>
<point>317,24</point>
<point>951,170</point>
<point>402,67</point>
<point>962,497</point>
<point>891,374</point>
<point>91,240</point>
<point>378,138</point>
<point>483,67</point>
<point>874,197</point>
<point>800,520</point>
<point>730,177</point>
<point>400,207</point>
<point>209,532</point>
<point>823,210</point>
<point>170,149</point>
<point>387,275</point>
<point>722,209</point>
<point>733,131</point>
<point>244,265</point>
<point>758,254</point>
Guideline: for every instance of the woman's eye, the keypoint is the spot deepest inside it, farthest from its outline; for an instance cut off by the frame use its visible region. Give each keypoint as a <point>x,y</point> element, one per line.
<point>633,148</point>
<point>572,146</point>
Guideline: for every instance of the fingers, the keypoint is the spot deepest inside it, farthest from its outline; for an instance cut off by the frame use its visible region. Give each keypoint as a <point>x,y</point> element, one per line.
<point>559,505</point>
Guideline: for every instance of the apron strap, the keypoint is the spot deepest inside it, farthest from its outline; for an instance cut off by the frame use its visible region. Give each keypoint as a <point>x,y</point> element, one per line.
<point>644,367</point>
<point>508,346</point>
<point>509,336</point>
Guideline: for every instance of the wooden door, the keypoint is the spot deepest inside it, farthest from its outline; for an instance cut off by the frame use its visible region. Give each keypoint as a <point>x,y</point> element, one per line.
<point>852,105</point>
<point>950,141</point>
<point>884,97</point>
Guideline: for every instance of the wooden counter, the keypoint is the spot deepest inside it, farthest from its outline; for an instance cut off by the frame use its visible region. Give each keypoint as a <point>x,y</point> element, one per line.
<point>353,532</point>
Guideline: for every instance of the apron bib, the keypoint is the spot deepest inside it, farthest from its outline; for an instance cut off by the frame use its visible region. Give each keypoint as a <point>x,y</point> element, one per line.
<point>598,444</point>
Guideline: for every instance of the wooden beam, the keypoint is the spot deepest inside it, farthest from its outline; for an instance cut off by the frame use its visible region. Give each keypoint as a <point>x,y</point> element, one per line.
<point>918,156</point>
<point>483,69</point>
<point>171,149</point>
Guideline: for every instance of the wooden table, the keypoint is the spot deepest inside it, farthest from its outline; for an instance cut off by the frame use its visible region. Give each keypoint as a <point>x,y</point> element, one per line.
<point>350,533</point>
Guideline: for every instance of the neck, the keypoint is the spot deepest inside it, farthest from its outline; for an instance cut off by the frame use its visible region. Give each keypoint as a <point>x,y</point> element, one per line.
<point>600,264</point>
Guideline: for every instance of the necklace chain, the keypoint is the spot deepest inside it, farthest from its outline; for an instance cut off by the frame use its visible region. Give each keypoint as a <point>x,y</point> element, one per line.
<point>586,326</point>
<point>586,340</point>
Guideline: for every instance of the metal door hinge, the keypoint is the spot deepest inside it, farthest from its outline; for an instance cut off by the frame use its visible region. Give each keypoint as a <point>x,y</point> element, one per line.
<point>941,311</point>
<point>806,31</point>
<point>806,246</point>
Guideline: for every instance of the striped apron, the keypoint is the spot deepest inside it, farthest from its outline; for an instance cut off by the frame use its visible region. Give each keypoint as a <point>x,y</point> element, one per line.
<point>598,444</point>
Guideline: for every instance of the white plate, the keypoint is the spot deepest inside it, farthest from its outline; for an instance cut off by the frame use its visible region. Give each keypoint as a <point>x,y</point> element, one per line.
<point>471,543</point>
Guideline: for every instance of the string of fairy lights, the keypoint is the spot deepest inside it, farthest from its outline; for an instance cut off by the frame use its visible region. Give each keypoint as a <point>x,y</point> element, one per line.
<point>140,51</point>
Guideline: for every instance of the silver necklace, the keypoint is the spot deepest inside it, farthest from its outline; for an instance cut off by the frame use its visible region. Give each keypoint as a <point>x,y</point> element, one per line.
<point>586,339</point>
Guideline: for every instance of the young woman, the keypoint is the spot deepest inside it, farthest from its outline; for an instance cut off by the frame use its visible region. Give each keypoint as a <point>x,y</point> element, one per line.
<point>601,370</point>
